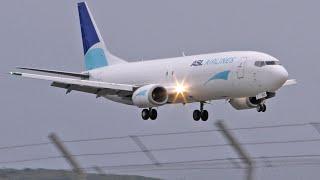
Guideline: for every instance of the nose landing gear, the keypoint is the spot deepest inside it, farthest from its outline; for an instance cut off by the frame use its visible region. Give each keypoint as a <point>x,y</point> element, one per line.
<point>149,113</point>
<point>200,114</point>
<point>261,108</point>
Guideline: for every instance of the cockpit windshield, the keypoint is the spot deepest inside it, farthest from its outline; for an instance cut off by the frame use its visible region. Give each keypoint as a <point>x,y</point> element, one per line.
<point>264,63</point>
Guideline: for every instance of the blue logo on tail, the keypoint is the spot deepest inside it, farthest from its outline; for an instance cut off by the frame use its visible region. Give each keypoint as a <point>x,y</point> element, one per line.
<point>95,58</point>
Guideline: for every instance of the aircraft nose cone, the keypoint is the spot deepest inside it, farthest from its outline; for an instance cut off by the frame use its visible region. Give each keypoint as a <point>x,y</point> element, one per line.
<point>280,76</point>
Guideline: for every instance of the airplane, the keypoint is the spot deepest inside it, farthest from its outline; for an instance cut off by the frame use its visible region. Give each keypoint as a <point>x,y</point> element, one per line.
<point>246,79</point>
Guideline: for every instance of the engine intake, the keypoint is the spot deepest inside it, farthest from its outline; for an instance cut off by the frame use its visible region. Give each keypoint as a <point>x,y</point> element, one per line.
<point>150,96</point>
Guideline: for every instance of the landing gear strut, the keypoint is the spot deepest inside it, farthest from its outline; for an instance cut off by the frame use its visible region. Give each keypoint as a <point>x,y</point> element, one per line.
<point>200,114</point>
<point>149,113</point>
<point>261,108</point>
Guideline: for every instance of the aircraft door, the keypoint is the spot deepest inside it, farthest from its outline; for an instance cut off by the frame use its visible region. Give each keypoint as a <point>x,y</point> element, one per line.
<point>169,74</point>
<point>241,68</point>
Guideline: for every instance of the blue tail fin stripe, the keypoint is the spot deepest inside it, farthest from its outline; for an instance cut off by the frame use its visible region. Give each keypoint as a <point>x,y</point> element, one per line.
<point>88,32</point>
<point>95,58</point>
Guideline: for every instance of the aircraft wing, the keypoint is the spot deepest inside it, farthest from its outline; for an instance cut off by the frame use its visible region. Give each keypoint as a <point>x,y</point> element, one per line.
<point>95,87</point>
<point>72,74</point>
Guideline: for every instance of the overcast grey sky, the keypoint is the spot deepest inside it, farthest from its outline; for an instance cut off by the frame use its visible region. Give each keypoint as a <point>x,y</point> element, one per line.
<point>46,34</point>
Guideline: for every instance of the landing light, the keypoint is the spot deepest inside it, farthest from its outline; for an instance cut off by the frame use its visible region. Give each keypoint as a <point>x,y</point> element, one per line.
<point>180,89</point>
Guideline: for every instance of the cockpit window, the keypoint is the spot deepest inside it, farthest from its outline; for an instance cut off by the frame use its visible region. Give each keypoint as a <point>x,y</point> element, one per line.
<point>263,63</point>
<point>259,63</point>
<point>272,62</point>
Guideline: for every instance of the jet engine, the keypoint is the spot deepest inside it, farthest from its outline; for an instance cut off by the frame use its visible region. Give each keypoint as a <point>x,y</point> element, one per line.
<point>245,102</point>
<point>150,96</point>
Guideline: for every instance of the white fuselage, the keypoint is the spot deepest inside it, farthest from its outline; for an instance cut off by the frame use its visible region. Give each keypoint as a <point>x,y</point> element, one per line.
<point>205,77</point>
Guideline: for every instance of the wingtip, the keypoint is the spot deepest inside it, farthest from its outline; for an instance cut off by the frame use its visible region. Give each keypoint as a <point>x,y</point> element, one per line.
<point>24,68</point>
<point>15,73</point>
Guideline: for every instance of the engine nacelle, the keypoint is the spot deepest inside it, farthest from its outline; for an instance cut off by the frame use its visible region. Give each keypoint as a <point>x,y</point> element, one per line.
<point>150,96</point>
<point>245,103</point>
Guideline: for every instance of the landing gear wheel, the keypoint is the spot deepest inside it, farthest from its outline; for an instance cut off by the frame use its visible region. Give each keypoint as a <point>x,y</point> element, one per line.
<point>145,114</point>
<point>153,114</point>
<point>204,115</point>
<point>201,114</point>
<point>264,108</point>
<point>196,115</point>
<point>261,108</point>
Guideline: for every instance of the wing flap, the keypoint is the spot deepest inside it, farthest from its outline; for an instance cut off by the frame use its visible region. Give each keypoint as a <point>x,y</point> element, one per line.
<point>91,90</point>
<point>69,87</point>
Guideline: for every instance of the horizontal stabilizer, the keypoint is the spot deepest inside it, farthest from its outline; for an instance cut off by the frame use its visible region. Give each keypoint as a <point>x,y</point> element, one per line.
<point>73,74</point>
<point>290,82</point>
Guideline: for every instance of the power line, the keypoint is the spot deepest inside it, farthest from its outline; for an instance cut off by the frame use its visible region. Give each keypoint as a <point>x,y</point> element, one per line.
<point>31,159</point>
<point>209,160</point>
<point>161,149</point>
<point>184,162</point>
<point>231,129</point>
<point>24,145</point>
<point>208,166</point>
<point>155,134</point>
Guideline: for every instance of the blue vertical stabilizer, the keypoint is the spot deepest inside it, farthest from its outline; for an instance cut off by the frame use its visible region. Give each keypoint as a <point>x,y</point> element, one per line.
<point>95,53</point>
<point>93,45</point>
<point>88,32</point>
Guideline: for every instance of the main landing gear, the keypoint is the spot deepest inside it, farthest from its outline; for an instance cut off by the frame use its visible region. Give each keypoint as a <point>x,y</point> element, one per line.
<point>149,113</point>
<point>261,108</point>
<point>200,114</point>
